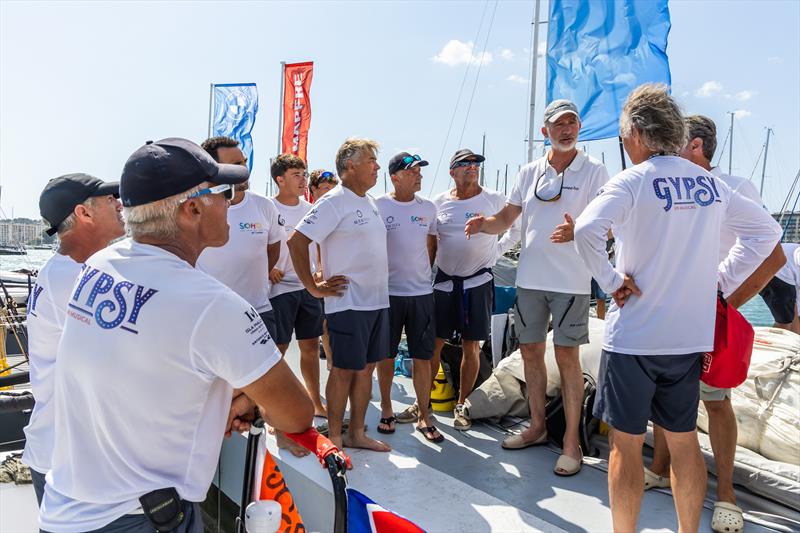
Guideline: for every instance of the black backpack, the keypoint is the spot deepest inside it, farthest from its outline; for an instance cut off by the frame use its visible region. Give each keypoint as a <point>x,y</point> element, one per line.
<point>556,423</point>
<point>451,363</point>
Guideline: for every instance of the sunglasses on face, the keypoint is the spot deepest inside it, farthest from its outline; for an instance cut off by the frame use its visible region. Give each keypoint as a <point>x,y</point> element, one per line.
<point>466,164</point>
<point>226,190</point>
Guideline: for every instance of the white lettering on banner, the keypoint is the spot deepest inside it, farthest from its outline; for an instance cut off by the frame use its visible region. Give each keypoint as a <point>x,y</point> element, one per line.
<point>298,107</point>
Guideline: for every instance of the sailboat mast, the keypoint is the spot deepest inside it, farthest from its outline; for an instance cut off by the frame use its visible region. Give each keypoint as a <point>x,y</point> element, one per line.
<point>764,167</point>
<point>730,145</point>
<point>534,64</point>
<point>483,153</point>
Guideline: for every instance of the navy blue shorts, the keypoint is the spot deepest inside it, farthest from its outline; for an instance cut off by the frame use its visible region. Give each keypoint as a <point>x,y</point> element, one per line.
<point>415,315</point>
<point>632,389</point>
<point>268,317</point>
<point>297,312</point>
<point>478,302</point>
<point>781,298</point>
<point>358,337</point>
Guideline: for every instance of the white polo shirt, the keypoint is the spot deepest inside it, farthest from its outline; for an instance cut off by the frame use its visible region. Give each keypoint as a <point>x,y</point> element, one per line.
<point>458,256</point>
<point>408,225</point>
<point>352,239</point>
<point>790,271</point>
<point>666,214</point>
<point>47,310</point>
<point>545,265</point>
<point>149,356</point>
<point>288,217</point>
<point>242,263</point>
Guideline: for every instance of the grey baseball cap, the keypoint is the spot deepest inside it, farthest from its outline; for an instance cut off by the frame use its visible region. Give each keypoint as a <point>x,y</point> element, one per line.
<point>558,108</point>
<point>465,154</point>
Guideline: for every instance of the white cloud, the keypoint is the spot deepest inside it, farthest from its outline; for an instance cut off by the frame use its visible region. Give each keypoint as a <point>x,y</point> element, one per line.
<point>456,52</point>
<point>506,54</point>
<point>684,94</point>
<point>775,59</point>
<point>742,113</point>
<point>744,96</point>
<point>709,88</point>
<point>516,78</point>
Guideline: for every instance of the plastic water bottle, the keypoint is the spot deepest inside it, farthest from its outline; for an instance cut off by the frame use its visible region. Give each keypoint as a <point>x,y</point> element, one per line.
<point>263,516</point>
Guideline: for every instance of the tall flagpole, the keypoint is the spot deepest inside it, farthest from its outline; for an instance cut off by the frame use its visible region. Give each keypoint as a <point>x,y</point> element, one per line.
<point>210,109</point>
<point>280,115</point>
<point>534,64</point>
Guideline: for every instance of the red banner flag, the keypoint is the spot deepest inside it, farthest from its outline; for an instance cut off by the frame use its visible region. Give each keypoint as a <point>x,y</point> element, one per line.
<point>296,108</point>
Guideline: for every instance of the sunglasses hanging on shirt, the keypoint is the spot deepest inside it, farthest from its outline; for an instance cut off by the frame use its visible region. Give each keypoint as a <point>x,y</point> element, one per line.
<point>549,190</point>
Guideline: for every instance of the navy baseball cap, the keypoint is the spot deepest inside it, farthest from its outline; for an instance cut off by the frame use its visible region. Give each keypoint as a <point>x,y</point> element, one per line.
<point>404,161</point>
<point>170,166</point>
<point>62,194</point>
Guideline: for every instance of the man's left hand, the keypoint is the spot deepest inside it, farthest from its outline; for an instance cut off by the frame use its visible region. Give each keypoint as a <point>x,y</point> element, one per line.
<point>241,414</point>
<point>564,232</point>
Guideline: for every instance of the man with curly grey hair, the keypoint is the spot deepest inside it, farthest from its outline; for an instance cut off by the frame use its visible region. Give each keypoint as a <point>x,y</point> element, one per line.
<point>666,213</point>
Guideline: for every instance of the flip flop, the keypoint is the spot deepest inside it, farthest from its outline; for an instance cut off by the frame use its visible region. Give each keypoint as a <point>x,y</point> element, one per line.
<point>388,421</point>
<point>516,442</point>
<point>322,429</point>
<point>727,518</point>
<point>428,431</point>
<point>654,481</point>
<point>569,465</point>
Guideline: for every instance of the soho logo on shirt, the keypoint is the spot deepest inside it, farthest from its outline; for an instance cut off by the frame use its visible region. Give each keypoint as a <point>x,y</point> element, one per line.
<point>686,193</point>
<point>251,227</point>
<point>469,214</point>
<point>107,313</point>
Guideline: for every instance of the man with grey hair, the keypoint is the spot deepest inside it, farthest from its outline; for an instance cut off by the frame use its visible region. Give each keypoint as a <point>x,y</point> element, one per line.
<point>355,287</point>
<point>151,352</point>
<point>666,213</point>
<point>87,216</point>
<point>552,281</point>
<point>699,149</point>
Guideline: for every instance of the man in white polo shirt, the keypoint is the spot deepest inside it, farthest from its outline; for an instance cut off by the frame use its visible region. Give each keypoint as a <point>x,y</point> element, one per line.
<point>666,214</point>
<point>552,281</point>
<point>782,293</point>
<point>352,238</point>
<point>464,285</point>
<point>151,352</point>
<point>244,262</point>
<point>296,311</point>
<point>409,221</point>
<point>87,216</point>
<point>699,149</point>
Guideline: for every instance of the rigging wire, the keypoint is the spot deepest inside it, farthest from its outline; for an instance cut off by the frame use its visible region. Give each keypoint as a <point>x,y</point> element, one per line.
<point>752,173</point>
<point>458,101</point>
<point>478,74</point>
<point>724,146</point>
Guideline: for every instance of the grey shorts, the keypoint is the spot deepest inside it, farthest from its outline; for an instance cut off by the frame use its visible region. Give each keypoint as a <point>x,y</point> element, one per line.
<point>632,389</point>
<point>713,394</point>
<point>297,312</point>
<point>358,337</point>
<point>570,314</point>
<point>415,315</point>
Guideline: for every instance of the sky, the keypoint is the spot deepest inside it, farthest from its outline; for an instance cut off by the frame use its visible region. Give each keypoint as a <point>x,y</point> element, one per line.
<point>84,84</point>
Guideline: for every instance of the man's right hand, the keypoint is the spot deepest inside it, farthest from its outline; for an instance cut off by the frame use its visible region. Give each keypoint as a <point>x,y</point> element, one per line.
<point>275,276</point>
<point>625,291</point>
<point>333,286</point>
<point>474,225</point>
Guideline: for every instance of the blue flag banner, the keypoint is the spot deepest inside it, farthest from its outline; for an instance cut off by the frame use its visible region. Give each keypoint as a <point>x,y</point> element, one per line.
<point>598,51</point>
<point>366,516</point>
<point>234,114</point>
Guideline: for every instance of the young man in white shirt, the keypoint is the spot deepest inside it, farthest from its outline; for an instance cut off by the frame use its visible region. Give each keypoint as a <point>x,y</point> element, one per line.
<point>782,293</point>
<point>254,246</point>
<point>552,281</point>
<point>151,352</point>
<point>464,286</point>
<point>410,221</point>
<point>352,238</point>
<point>296,311</point>
<point>86,215</point>
<point>699,149</point>
<point>666,214</point>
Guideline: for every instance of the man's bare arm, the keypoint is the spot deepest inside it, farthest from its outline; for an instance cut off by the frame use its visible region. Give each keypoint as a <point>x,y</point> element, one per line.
<point>493,225</point>
<point>273,254</point>
<point>433,246</point>
<point>282,400</point>
<point>759,278</point>
<point>298,250</point>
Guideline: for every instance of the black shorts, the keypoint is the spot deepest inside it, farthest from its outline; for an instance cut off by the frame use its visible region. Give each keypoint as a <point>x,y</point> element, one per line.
<point>632,389</point>
<point>478,303</point>
<point>268,317</point>
<point>297,312</point>
<point>781,298</point>
<point>358,337</point>
<point>415,315</point>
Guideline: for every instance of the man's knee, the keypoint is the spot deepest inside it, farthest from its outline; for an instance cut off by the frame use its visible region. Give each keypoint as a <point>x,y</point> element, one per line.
<point>533,352</point>
<point>716,408</point>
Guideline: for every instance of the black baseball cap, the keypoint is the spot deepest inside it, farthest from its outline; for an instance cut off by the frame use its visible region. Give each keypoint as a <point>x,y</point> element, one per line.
<point>167,167</point>
<point>62,194</point>
<point>466,154</point>
<point>404,161</point>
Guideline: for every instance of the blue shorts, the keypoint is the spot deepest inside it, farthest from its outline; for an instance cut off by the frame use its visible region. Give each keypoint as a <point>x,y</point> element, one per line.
<point>632,389</point>
<point>358,338</point>
<point>414,314</point>
<point>477,303</point>
<point>597,292</point>
<point>297,312</point>
<point>268,317</point>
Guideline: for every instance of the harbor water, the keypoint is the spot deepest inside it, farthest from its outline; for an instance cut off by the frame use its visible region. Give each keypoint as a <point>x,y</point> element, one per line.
<point>755,310</point>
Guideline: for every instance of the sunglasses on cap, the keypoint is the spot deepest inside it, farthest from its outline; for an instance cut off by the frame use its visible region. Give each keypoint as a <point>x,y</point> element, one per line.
<point>466,164</point>
<point>226,190</point>
<point>407,160</point>
<point>326,176</point>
